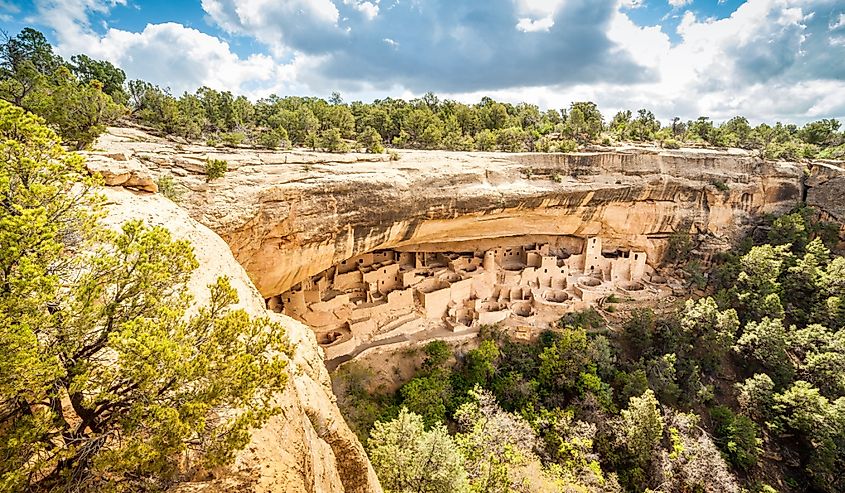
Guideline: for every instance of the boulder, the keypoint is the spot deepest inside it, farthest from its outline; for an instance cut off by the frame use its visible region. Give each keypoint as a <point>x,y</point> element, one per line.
<point>125,172</point>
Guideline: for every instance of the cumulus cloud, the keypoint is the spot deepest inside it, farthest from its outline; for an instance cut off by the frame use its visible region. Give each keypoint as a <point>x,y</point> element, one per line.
<point>769,59</point>
<point>533,25</point>
<point>448,45</point>
<point>679,3</point>
<point>168,54</point>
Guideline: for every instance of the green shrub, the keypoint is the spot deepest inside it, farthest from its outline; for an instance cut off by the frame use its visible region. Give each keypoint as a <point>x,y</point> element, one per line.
<point>215,168</point>
<point>566,145</point>
<point>720,186</point>
<point>167,186</point>
<point>837,152</point>
<point>789,151</point>
<point>394,156</point>
<point>371,140</point>
<point>273,139</point>
<point>233,139</point>
<point>586,319</point>
<point>332,141</point>
<point>671,144</point>
<point>679,248</point>
<point>736,436</point>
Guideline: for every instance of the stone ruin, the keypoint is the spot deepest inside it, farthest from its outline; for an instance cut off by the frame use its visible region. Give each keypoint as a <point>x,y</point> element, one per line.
<point>384,294</point>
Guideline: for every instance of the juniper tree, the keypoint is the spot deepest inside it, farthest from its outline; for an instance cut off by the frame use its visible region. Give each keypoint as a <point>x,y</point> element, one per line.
<point>106,378</point>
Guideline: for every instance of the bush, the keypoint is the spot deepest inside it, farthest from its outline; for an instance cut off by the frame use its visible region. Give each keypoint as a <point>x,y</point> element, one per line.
<point>736,437</point>
<point>485,140</point>
<point>394,156</point>
<point>215,168</point>
<point>679,248</point>
<point>565,145</point>
<point>671,144</point>
<point>273,139</point>
<point>789,151</point>
<point>167,186</point>
<point>232,139</point>
<point>837,152</point>
<point>720,186</point>
<point>371,140</point>
<point>331,141</point>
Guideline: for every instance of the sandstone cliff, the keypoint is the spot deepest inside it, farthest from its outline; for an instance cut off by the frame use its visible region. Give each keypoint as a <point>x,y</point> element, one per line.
<point>308,447</point>
<point>826,190</point>
<point>290,215</point>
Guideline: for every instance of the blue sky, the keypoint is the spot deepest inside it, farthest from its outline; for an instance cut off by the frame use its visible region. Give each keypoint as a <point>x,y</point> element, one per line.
<point>766,59</point>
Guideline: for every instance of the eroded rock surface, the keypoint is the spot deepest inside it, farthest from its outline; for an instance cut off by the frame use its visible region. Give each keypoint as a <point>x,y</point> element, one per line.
<point>308,447</point>
<point>290,215</point>
<point>826,191</point>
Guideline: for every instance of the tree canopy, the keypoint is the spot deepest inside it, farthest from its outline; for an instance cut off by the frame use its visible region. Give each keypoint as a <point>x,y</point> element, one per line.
<point>106,379</point>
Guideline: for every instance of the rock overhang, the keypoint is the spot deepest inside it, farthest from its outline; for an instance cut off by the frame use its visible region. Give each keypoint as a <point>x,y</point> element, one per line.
<point>290,215</point>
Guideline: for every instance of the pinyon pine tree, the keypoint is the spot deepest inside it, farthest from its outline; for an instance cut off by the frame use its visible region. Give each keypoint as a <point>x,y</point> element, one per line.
<point>107,383</point>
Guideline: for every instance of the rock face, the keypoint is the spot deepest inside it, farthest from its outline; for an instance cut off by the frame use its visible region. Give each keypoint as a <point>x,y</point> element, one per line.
<point>826,192</point>
<point>290,215</point>
<point>119,171</point>
<point>308,447</point>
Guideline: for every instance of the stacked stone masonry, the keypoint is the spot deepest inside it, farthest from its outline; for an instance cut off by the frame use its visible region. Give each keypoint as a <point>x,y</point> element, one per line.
<point>386,293</point>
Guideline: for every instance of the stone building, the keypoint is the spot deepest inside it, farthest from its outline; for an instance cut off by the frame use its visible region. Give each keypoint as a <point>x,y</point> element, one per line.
<point>381,294</point>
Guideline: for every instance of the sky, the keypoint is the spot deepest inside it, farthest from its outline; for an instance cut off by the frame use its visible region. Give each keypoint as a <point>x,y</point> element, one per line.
<point>768,60</point>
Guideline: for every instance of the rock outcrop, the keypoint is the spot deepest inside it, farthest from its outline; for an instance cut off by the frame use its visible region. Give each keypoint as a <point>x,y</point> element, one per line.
<point>308,447</point>
<point>826,191</point>
<point>290,215</point>
<point>118,170</point>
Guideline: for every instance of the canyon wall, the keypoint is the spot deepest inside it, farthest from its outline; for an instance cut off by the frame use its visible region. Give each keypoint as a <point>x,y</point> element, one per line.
<point>289,215</point>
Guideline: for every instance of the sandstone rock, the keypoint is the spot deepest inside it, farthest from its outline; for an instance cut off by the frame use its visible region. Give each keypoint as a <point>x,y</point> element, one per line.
<point>826,192</point>
<point>117,156</point>
<point>121,172</point>
<point>308,447</point>
<point>290,215</point>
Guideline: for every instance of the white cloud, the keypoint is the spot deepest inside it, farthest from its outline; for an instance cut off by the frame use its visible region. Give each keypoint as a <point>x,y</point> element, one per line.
<point>184,58</point>
<point>838,23</point>
<point>167,54</point>
<point>277,23</point>
<point>534,25</point>
<point>538,8</point>
<point>9,7</point>
<point>680,3</point>
<point>368,9</point>
<point>755,62</point>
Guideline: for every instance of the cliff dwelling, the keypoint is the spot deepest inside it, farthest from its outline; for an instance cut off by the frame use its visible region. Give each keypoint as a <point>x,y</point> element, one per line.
<point>385,296</point>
